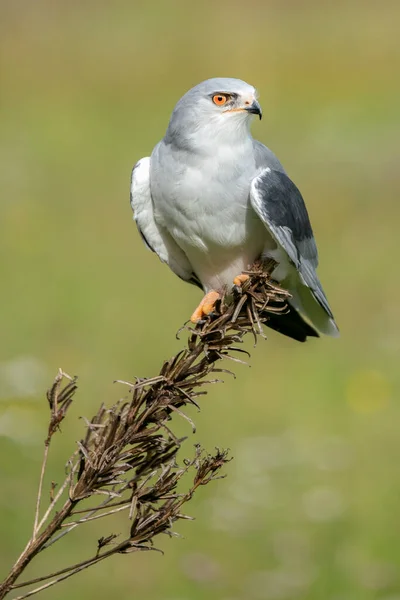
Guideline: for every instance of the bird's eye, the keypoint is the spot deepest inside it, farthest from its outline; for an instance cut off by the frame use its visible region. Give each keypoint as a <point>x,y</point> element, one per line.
<point>220,99</point>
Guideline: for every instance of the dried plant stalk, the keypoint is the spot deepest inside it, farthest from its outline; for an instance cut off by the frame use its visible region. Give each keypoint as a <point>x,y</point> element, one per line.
<point>127,460</point>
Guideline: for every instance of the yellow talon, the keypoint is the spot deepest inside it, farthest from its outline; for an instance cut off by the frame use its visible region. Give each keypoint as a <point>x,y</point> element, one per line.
<point>240,279</point>
<point>206,306</point>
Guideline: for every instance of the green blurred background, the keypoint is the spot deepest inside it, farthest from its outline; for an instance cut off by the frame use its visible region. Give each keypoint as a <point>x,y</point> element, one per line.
<point>310,507</point>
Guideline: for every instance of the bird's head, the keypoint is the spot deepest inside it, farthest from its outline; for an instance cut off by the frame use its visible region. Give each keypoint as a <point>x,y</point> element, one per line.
<point>220,108</point>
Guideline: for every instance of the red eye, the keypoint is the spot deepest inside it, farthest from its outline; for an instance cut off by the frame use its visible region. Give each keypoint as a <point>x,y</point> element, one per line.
<point>220,99</point>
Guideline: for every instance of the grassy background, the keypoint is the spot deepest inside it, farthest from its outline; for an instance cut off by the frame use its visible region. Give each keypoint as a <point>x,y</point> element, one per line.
<point>310,507</point>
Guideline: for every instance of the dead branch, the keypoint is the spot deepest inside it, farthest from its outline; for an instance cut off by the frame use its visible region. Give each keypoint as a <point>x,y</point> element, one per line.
<point>128,457</point>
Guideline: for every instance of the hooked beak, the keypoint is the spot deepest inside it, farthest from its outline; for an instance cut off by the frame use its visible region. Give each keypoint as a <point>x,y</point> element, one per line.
<point>254,109</point>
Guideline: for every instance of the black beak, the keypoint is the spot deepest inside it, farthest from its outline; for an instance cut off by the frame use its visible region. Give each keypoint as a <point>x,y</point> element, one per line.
<point>255,109</point>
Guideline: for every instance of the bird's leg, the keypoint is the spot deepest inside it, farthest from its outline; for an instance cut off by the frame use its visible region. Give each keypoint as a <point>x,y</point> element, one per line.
<point>240,279</point>
<point>206,306</point>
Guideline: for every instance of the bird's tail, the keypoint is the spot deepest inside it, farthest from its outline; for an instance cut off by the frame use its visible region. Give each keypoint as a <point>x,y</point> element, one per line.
<point>291,324</point>
<point>307,303</point>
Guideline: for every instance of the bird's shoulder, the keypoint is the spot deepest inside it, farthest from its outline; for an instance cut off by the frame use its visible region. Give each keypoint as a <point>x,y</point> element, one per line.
<point>140,183</point>
<point>264,157</point>
<point>140,171</point>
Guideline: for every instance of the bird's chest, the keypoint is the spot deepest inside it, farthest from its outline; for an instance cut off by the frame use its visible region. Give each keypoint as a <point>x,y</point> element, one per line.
<point>204,208</point>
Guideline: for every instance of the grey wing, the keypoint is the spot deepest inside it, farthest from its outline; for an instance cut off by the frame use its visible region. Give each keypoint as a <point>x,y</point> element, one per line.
<point>280,205</point>
<point>157,240</point>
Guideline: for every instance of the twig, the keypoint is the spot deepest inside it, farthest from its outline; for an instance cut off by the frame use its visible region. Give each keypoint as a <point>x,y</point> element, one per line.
<point>39,495</point>
<point>105,514</point>
<point>60,492</point>
<point>69,573</point>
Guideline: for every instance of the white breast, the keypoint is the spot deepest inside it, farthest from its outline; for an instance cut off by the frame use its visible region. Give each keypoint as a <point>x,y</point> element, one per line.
<point>207,211</point>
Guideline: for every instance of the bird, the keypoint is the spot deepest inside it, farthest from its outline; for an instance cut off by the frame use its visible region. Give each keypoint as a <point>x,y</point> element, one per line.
<point>211,200</point>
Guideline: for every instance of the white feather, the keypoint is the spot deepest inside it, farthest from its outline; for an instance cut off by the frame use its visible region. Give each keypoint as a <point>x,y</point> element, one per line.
<point>155,237</point>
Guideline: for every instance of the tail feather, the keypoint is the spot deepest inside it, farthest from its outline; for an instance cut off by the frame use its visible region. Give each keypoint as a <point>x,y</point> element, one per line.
<point>305,300</point>
<point>311,303</point>
<point>291,324</point>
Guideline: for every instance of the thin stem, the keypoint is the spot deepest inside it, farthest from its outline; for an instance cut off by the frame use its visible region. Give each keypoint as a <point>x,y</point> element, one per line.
<point>75,568</point>
<point>39,495</point>
<point>96,508</point>
<point>58,579</point>
<point>56,498</point>
<point>105,514</point>
<point>68,570</point>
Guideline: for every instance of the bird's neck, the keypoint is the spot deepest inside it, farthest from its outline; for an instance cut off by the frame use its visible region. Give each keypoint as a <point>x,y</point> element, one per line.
<point>210,140</point>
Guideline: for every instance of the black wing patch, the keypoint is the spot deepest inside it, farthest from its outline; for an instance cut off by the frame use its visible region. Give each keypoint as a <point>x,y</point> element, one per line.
<point>286,206</point>
<point>280,205</point>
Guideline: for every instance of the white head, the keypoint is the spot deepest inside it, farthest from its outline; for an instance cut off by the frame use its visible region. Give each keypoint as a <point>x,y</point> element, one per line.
<point>216,109</point>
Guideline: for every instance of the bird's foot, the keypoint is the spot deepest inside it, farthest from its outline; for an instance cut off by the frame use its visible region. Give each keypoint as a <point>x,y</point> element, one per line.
<point>206,306</point>
<point>240,280</point>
